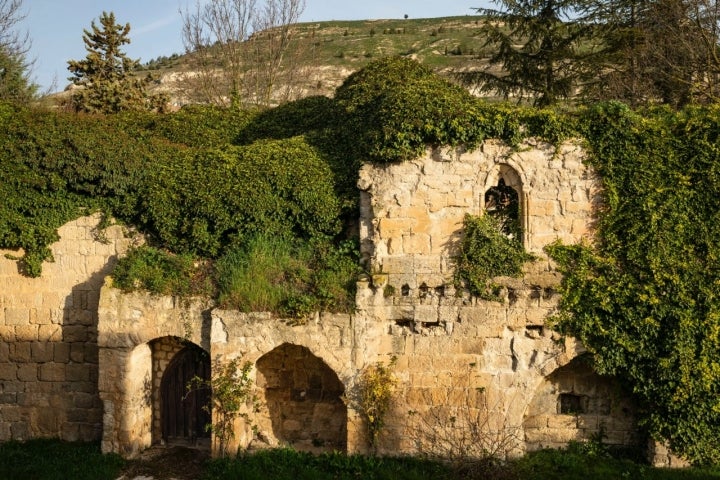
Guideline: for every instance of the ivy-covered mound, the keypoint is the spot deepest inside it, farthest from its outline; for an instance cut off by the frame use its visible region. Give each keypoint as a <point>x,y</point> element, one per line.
<point>645,299</point>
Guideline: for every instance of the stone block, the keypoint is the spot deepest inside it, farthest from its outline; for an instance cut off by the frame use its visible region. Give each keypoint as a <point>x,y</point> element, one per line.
<point>42,352</point>
<point>27,333</point>
<point>395,227</point>
<point>562,422</point>
<point>77,352</point>
<point>416,243</point>
<point>8,371</point>
<point>77,372</point>
<point>426,313</point>
<point>75,333</point>
<point>27,372</point>
<point>7,334</point>
<point>52,372</point>
<point>19,352</point>
<point>17,316</point>
<point>49,333</point>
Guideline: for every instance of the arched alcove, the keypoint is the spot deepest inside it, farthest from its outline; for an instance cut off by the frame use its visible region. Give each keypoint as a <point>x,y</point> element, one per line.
<point>302,397</point>
<point>504,200</point>
<point>575,403</point>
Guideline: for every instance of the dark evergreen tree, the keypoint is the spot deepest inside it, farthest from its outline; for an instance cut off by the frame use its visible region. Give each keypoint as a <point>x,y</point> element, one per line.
<point>541,47</point>
<point>105,75</point>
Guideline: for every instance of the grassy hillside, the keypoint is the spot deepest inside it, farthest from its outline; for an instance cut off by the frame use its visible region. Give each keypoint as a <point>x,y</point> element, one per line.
<point>332,50</point>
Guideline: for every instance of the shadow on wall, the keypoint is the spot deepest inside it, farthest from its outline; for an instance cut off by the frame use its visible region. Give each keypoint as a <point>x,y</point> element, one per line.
<point>75,360</point>
<point>574,404</point>
<point>301,400</point>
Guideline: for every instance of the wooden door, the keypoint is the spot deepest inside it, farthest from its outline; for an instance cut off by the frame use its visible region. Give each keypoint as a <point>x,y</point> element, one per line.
<point>184,412</point>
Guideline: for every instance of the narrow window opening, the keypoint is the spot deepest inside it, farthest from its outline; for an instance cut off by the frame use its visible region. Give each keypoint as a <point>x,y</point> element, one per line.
<point>571,404</point>
<point>502,202</point>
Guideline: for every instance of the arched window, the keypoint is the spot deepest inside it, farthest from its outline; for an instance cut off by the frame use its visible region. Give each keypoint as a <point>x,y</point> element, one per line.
<point>502,202</point>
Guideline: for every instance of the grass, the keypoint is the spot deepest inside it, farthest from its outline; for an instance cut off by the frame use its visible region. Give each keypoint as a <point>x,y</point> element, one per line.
<point>354,43</point>
<point>47,459</point>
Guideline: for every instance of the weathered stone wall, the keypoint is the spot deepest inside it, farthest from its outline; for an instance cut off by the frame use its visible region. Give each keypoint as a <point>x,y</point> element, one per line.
<point>469,369</point>
<point>474,376</point>
<point>48,336</point>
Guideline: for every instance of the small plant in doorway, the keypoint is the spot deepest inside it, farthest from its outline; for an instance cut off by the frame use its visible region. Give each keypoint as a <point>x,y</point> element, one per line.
<point>232,397</point>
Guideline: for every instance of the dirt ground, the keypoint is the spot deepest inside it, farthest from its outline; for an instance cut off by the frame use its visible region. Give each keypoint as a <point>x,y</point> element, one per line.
<point>167,463</point>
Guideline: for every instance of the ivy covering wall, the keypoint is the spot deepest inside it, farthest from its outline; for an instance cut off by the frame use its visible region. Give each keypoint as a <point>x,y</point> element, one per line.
<point>208,182</point>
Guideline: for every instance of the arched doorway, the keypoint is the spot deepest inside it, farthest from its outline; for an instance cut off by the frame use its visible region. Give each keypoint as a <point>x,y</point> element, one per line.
<point>303,398</point>
<point>185,413</point>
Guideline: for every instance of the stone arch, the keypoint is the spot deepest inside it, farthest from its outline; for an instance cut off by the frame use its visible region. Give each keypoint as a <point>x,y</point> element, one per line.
<point>574,403</point>
<point>179,416</point>
<point>301,398</point>
<point>504,196</point>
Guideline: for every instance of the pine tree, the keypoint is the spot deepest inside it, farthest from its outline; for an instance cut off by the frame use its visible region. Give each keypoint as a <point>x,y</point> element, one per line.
<point>539,47</point>
<point>105,75</point>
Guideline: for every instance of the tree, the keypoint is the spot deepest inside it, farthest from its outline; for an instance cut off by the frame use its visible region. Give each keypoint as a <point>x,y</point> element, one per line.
<point>105,75</point>
<point>239,51</point>
<point>15,84</point>
<point>539,46</point>
<point>658,51</point>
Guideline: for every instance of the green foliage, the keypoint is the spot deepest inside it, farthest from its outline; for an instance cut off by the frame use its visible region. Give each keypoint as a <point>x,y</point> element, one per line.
<point>206,200</point>
<point>15,84</point>
<point>287,464</point>
<point>376,387</point>
<point>51,459</point>
<point>292,277</point>
<point>396,107</point>
<point>161,272</point>
<point>644,298</point>
<point>105,74</point>
<point>486,252</point>
<point>540,47</point>
<point>231,396</point>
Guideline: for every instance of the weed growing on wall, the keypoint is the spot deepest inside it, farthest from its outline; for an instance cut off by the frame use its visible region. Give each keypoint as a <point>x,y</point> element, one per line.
<point>161,272</point>
<point>232,398</point>
<point>486,252</point>
<point>376,388</point>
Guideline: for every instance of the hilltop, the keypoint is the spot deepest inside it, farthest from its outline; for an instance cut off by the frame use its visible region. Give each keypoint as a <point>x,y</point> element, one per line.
<point>332,50</point>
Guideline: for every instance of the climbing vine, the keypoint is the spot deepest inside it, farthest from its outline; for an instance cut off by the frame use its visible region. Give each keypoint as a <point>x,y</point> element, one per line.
<point>644,298</point>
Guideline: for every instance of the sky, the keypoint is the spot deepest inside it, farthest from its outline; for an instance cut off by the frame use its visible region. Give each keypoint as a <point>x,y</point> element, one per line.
<point>56,27</point>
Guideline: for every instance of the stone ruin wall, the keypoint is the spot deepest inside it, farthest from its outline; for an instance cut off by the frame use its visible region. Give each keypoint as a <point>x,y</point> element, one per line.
<point>466,364</point>
<point>95,355</point>
<point>48,336</point>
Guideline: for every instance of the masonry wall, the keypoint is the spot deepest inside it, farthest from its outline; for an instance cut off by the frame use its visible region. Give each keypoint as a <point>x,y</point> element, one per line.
<point>470,369</point>
<point>474,376</point>
<point>48,336</point>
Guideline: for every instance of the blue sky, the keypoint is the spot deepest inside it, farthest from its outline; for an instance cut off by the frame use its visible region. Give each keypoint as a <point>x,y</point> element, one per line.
<point>56,26</point>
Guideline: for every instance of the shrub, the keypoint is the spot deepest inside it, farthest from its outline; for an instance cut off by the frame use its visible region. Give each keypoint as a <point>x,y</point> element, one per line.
<point>485,252</point>
<point>161,272</point>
